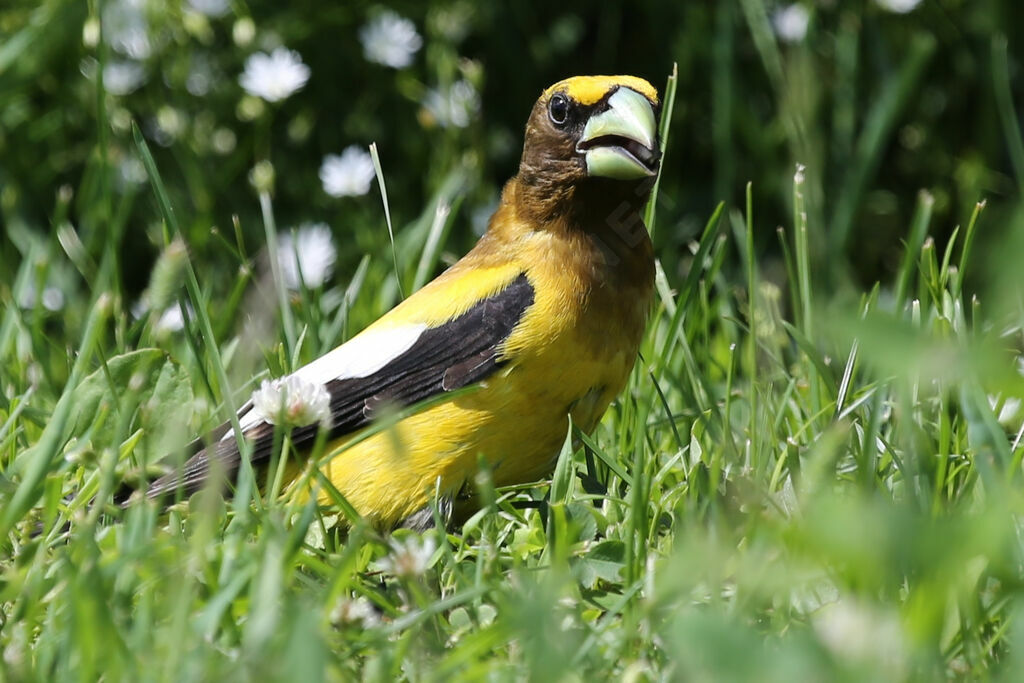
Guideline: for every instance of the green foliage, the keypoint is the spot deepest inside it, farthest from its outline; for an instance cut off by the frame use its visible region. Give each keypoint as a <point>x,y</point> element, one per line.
<point>805,478</point>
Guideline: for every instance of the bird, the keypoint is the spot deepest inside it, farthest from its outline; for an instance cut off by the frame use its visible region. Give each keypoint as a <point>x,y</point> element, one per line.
<point>539,323</point>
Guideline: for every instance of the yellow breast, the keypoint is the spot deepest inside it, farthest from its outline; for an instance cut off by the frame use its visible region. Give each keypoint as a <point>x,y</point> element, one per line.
<point>570,354</point>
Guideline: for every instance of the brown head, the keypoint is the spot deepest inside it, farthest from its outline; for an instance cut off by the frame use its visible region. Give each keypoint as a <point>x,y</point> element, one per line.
<point>591,146</point>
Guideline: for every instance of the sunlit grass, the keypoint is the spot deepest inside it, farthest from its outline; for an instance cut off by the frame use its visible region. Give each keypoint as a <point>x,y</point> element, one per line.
<point>799,483</point>
<point>810,501</point>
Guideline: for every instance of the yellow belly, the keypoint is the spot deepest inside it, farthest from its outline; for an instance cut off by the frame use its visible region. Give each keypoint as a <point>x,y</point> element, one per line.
<point>516,421</point>
<point>570,355</point>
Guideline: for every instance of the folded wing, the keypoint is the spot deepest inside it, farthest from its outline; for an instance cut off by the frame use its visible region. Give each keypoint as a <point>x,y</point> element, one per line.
<point>398,366</point>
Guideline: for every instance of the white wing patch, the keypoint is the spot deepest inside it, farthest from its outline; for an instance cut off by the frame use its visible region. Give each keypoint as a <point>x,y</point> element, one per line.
<point>361,356</point>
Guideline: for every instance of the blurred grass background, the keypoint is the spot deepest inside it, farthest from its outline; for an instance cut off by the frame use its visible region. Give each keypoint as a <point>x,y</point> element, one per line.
<point>875,103</point>
<point>814,473</point>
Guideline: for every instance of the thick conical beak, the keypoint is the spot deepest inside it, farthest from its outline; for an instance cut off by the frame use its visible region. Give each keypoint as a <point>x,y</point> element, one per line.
<point>621,141</point>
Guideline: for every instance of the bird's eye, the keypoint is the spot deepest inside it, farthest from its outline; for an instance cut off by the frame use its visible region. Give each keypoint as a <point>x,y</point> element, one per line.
<point>558,110</point>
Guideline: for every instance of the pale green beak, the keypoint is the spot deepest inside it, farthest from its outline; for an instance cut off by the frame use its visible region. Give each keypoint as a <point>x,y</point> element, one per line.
<point>620,142</point>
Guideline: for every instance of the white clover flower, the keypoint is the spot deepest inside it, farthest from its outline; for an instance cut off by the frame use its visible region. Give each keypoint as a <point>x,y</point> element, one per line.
<point>347,175</point>
<point>455,106</point>
<point>122,77</point>
<point>390,39</point>
<point>292,401</point>
<point>171,319</point>
<point>790,23</point>
<point>898,6</point>
<point>126,28</point>
<point>408,558</point>
<point>211,8</point>
<point>274,77</point>
<point>307,257</point>
<point>354,612</point>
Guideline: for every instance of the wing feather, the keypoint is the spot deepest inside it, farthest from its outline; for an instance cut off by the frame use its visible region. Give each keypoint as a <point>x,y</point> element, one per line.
<point>424,363</point>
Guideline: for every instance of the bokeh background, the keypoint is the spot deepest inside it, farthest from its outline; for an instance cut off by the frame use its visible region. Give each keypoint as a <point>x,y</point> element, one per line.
<point>878,99</point>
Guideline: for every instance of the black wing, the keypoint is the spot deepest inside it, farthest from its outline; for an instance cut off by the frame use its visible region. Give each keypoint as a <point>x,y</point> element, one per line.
<point>454,355</point>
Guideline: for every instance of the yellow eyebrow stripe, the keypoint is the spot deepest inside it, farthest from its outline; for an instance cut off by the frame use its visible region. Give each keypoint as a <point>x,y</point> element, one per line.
<point>588,90</point>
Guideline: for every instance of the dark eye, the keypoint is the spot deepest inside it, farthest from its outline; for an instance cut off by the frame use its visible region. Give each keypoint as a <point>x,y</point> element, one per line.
<point>558,110</point>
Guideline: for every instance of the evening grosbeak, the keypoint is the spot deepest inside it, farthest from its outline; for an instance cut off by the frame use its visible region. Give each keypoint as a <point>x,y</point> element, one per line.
<point>542,318</point>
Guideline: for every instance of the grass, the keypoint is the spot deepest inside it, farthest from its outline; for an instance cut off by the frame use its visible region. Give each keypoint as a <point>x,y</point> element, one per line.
<point>768,499</point>
<point>796,484</point>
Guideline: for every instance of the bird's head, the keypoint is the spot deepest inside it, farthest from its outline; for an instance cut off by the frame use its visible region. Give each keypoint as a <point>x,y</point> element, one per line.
<point>596,131</point>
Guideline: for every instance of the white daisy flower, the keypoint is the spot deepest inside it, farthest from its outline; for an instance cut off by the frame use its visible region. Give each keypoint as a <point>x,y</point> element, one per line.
<point>308,256</point>
<point>790,23</point>
<point>455,106</point>
<point>408,558</point>
<point>898,6</point>
<point>274,77</point>
<point>355,612</point>
<point>292,401</point>
<point>390,39</point>
<point>347,175</point>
